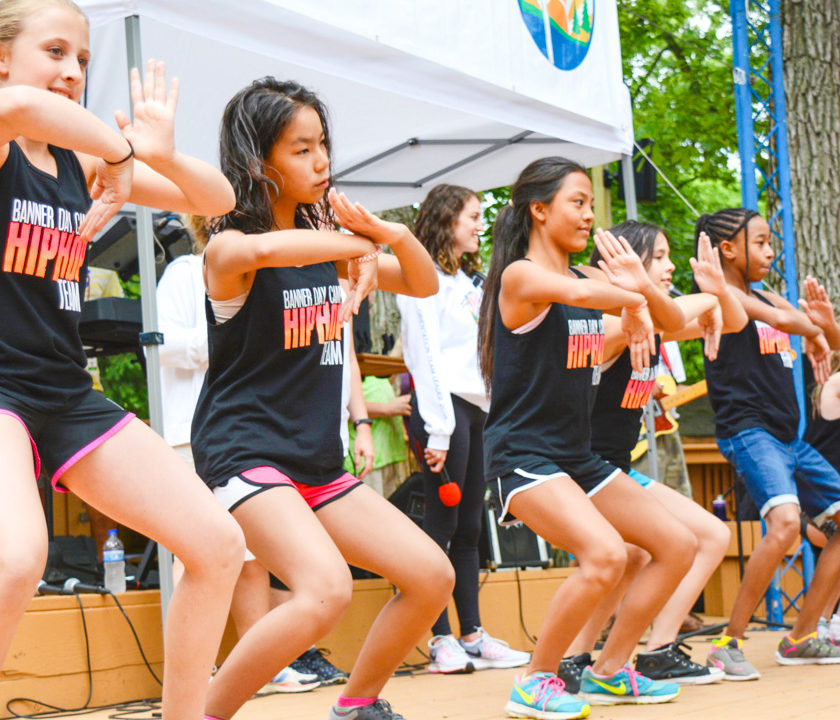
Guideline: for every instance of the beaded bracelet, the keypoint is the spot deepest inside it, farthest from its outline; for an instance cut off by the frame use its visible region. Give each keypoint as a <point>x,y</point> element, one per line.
<point>641,306</point>
<point>370,256</point>
<point>126,158</point>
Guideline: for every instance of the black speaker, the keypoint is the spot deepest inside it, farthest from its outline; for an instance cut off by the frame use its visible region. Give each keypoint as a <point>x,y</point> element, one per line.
<point>410,498</point>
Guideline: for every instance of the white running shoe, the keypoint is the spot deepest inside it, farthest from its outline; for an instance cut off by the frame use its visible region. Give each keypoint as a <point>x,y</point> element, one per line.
<point>834,629</point>
<point>489,652</point>
<point>289,680</point>
<point>447,656</point>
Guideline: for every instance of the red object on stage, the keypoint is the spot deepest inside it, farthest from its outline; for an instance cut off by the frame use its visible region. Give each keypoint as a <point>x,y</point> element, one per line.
<point>449,493</point>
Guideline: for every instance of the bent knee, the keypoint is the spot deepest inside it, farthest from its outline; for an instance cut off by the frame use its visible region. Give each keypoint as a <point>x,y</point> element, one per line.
<point>218,549</point>
<point>21,568</point>
<point>783,524</point>
<point>715,540</point>
<point>327,600</point>
<point>637,558</point>
<point>605,566</point>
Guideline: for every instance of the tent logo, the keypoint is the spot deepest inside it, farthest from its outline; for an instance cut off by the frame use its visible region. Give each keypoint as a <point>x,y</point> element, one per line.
<point>562,29</point>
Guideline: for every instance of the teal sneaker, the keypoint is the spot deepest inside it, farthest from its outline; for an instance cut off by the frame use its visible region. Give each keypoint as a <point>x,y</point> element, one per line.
<point>625,687</point>
<point>543,695</point>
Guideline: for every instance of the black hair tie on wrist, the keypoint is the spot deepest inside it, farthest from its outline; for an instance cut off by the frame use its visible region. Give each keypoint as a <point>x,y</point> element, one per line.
<point>362,421</point>
<point>126,158</point>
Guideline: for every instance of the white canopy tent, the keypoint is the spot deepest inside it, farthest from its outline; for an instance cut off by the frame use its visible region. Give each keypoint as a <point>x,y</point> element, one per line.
<point>419,91</point>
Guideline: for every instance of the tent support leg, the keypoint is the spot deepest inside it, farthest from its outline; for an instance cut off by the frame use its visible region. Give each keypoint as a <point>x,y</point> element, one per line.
<point>148,301</point>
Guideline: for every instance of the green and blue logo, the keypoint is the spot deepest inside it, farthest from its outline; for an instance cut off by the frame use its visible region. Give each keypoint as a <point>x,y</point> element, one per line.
<point>562,29</point>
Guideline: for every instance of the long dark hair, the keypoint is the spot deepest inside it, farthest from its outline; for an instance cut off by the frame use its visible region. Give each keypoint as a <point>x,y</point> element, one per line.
<point>252,122</point>
<point>539,182</point>
<point>725,225</point>
<point>641,236</point>
<point>434,223</point>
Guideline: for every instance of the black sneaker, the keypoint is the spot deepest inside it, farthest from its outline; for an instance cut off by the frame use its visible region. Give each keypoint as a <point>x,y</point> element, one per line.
<point>570,670</point>
<point>671,662</point>
<point>380,710</point>
<point>313,662</point>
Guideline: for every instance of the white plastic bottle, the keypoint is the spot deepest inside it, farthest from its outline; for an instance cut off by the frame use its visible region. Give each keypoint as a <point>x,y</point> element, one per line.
<point>113,558</point>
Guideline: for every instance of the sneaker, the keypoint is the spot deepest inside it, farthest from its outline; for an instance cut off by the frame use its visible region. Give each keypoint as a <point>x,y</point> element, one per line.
<point>447,656</point>
<point>570,670</point>
<point>313,662</point>
<point>671,662</point>
<point>378,710</point>
<point>543,695</point>
<point>488,652</point>
<point>808,651</point>
<point>625,687</point>
<point>289,680</point>
<point>834,628</point>
<point>727,655</point>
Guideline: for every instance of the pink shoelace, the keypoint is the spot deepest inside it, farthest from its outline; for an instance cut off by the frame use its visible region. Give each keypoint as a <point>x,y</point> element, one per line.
<point>547,688</point>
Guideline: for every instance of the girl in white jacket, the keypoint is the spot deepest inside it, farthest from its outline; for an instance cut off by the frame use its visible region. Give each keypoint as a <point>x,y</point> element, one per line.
<point>449,404</point>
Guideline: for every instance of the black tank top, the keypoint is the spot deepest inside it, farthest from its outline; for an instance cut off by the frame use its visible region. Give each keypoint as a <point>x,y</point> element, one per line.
<point>272,393</point>
<point>543,385</point>
<point>622,395</point>
<point>751,382</point>
<point>42,361</point>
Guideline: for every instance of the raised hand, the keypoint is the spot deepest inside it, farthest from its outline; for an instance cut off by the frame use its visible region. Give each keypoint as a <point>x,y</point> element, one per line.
<point>153,131</point>
<point>359,220</point>
<point>637,326</point>
<point>363,278</point>
<point>818,352</point>
<point>711,323</point>
<point>816,304</point>
<point>708,273</point>
<point>109,191</point>
<point>620,263</point>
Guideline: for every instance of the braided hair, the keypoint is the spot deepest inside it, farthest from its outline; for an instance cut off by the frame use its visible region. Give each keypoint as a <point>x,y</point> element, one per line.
<point>722,226</point>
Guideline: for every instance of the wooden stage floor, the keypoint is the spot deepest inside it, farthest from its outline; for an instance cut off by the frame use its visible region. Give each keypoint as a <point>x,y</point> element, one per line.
<point>782,693</point>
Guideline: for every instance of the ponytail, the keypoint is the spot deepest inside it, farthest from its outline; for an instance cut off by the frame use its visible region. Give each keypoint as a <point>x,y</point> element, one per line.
<point>538,182</point>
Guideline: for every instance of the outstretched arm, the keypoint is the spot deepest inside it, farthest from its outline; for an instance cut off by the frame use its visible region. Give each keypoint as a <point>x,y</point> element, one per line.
<point>780,314</point>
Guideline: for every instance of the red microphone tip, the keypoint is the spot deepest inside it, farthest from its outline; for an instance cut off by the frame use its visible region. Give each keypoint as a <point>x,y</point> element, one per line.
<point>450,494</point>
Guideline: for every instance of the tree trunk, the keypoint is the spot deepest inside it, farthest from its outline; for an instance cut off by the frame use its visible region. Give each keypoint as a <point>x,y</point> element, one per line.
<point>811,51</point>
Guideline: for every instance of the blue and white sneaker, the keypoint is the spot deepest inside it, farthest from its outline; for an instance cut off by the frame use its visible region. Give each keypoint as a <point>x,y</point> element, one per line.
<point>543,695</point>
<point>625,687</point>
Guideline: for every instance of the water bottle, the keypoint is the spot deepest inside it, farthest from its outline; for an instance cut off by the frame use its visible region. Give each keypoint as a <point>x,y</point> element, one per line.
<point>719,507</point>
<point>113,558</point>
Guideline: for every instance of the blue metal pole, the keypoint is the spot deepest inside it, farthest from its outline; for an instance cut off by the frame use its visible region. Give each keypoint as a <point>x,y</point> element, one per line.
<point>743,103</point>
<point>783,164</point>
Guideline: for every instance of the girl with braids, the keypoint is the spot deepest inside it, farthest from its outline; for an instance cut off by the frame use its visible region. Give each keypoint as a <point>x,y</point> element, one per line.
<point>756,420</point>
<point>54,157</point>
<point>266,430</point>
<point>541,344</point>
<point>622,395</point>
<point>448,408</point>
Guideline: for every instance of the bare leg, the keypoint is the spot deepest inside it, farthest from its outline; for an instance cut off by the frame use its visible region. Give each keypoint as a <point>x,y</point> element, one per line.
<point>643,521</point>
<point>712,541</point>
<point>822,588</point>
<point>136,478</point>
<point>782,529</point>
<point>588,636</point>
<point>250,597</point>
<point>23,532</point>
<point>560,512</point>
<point>372,534</point>
<point>287,539</point>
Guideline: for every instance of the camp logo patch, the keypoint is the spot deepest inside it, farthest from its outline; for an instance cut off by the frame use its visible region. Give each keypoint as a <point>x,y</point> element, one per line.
<point>562,29</point>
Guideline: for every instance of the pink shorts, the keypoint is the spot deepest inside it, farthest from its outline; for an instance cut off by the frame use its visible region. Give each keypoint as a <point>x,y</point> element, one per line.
<point>252,482</point>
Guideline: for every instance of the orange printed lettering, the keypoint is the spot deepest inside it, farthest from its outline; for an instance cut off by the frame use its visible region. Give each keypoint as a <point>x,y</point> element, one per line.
<point>17,240</point>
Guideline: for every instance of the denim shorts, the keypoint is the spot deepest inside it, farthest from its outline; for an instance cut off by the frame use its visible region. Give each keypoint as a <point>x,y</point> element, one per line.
<point>777,473</point>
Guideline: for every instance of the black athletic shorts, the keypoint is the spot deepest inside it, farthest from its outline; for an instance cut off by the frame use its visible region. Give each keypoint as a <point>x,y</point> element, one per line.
<point>591,475</point>
<point>61,438</point>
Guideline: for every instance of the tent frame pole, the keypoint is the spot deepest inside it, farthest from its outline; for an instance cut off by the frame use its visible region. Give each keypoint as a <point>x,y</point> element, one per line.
<point>148,302</point>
